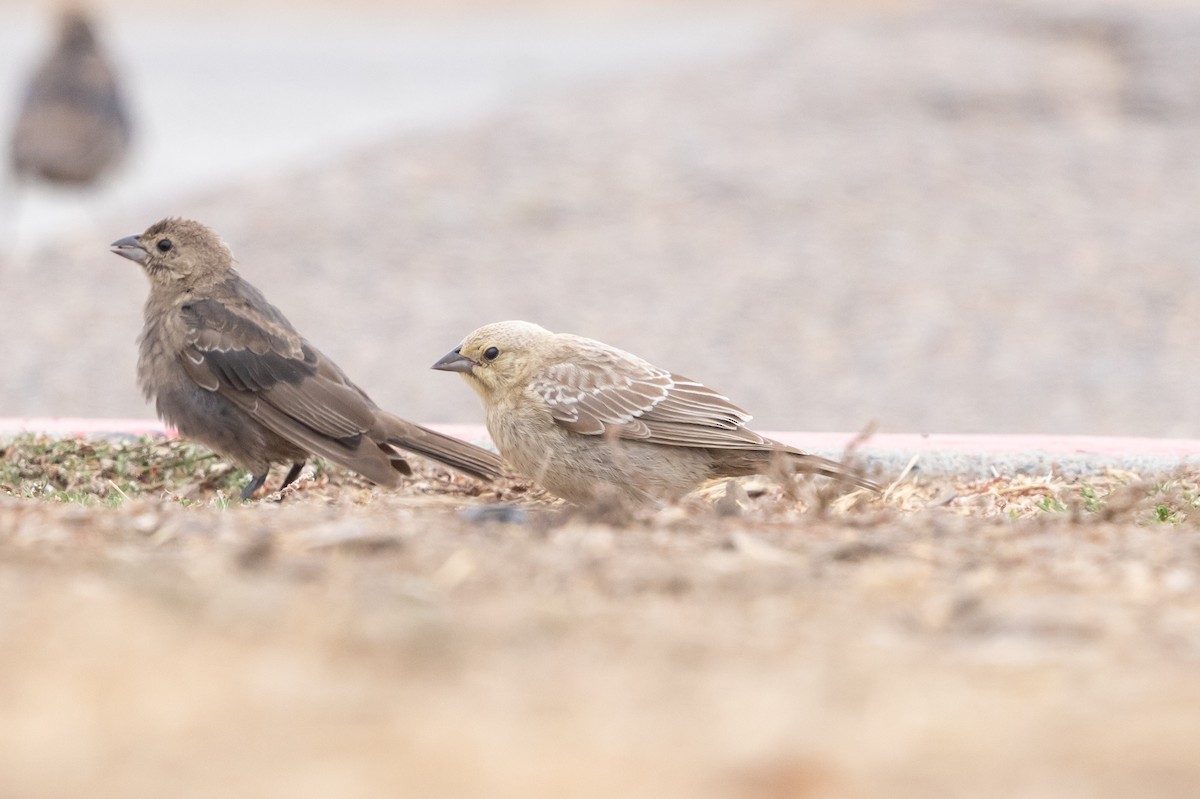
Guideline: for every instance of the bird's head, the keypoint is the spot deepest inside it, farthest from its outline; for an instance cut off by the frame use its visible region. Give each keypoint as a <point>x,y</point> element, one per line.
<point>497,356</point>
<point>178,254</point>
<point>75,32</point>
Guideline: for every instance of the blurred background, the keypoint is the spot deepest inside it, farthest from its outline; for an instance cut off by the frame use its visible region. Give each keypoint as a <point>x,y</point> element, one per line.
<point>939,217</point>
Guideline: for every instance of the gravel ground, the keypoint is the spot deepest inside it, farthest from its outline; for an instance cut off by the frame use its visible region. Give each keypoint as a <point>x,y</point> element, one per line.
<point>949,217</point>
<point>996,638</point>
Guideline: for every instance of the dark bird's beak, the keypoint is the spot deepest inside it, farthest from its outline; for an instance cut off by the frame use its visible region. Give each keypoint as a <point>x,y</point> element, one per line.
<point>130,248</point>
<point>454,362</point>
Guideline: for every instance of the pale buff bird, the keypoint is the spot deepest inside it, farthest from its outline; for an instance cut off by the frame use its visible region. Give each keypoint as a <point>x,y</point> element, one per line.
<point>586,420</point>
<point>226,368</point>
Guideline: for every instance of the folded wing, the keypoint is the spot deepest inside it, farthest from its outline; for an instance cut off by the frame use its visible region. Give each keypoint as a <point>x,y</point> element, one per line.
<point>609,392</point>
<point>249,354</point>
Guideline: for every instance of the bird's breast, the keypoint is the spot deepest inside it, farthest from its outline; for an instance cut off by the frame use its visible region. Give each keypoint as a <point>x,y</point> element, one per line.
<point>159,347</point>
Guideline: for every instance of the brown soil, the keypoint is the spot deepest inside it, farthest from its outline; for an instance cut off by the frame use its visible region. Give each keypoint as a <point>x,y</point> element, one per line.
<point>1027,637</point>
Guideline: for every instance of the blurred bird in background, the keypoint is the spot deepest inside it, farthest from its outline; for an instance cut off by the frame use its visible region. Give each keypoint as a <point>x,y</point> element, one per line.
<point>73,125</point>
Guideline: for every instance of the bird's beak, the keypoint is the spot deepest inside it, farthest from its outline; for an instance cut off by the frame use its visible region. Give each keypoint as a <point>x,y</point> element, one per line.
<point>130,248</point>
<point>454,362</point>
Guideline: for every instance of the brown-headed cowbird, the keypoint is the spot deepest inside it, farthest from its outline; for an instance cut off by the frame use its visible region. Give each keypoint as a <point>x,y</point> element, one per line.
<point>72,125</point>
<point>226,368</point>
<point>586,420</point>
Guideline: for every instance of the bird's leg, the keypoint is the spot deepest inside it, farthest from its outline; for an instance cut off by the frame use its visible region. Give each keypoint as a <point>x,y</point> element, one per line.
<point>292,474</point>
<point>254,485</point>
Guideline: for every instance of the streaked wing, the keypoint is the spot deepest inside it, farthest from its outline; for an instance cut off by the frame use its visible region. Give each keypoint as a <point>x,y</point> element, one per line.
<point>252,355</point>
<point>608,392</point>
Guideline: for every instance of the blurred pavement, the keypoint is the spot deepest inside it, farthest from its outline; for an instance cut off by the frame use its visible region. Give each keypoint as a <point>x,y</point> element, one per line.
<point>960,217</point>
<point>224,95</point>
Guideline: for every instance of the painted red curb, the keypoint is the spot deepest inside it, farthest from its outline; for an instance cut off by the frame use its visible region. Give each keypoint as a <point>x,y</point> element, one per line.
<point>84,427</point>
<point>65,426</point>
<point>911,442</point>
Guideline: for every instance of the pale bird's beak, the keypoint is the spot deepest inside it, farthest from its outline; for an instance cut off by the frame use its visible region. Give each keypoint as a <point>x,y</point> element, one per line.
<point>130,248</point>
<point>454,362</point>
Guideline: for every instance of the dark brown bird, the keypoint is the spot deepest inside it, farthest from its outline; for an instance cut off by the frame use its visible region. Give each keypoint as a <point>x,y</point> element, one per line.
<point>584,419</point>
<point>226,368</point>
<point>73,124</point>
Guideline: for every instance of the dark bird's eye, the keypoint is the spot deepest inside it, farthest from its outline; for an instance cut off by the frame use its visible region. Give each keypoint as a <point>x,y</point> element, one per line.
<point>490,354</point>
<point>165,245</point>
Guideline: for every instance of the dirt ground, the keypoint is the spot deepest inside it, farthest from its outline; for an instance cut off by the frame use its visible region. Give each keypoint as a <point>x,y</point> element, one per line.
<point>1032,637</point>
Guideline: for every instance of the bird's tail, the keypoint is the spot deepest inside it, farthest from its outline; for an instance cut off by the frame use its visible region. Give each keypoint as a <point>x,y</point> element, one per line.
<point>452,452</point>
<point>804,463</point>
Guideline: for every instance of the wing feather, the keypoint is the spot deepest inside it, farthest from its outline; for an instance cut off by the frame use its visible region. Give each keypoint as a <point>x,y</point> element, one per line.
<point>604,391</point>
<point>247,350</point>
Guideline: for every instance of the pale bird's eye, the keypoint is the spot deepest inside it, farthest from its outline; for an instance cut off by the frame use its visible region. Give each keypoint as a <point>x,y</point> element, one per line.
<point>165,245</point>
<point>490,354</point>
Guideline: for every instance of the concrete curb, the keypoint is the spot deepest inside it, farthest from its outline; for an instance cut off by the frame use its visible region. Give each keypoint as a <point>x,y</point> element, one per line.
<point>967,455</point>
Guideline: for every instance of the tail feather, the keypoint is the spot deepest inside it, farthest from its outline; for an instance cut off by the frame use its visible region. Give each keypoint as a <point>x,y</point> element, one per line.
<point>739,462</point>
<point>444,449</point>
<point>815,464</point>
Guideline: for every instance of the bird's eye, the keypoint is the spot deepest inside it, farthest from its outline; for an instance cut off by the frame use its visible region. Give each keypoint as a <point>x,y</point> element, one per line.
<point>490,354</point>
<point>165,245</point>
